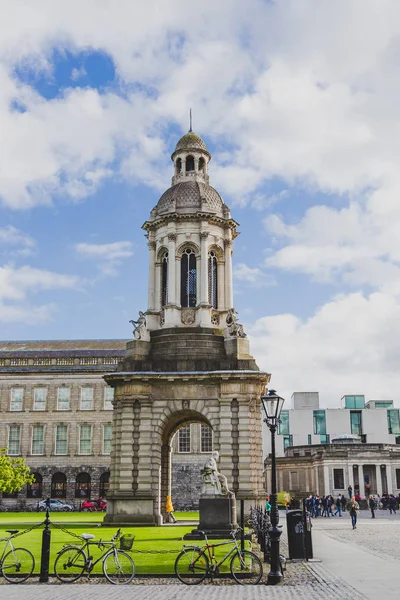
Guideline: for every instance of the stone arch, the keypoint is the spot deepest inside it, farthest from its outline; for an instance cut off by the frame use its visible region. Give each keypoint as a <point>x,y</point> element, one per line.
<point>187,246</point>
<point>170,427</point>
<point>219,253</point>
<point>161,253</point>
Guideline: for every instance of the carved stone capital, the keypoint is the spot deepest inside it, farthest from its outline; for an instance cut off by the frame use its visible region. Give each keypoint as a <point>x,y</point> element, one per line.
<point>204,235</point>
<point>152,245</point>
<point>172,237</point>
<point>227,243</point>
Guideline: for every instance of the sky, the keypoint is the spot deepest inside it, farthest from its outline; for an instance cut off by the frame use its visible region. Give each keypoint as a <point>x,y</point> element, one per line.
<point>298,102</point>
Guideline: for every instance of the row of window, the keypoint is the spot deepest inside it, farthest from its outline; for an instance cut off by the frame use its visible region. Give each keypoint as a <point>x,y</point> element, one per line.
<point>319,420</point>
<point>83,486</point>
<point>189,279</point>
<point>184,440</point>
<point>59,362</point>
<point>63,398</point>
<point>60,439</point>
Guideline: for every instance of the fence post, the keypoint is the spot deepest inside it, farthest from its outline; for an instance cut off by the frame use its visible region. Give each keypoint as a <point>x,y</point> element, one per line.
<point>45,560</point>
<point>242,524</point>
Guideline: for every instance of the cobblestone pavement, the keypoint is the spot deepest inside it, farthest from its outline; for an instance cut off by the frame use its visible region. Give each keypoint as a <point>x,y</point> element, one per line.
<point>356,565</point>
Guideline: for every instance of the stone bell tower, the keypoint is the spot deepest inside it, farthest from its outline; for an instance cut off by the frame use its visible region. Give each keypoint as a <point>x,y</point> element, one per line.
<point>189,360</point>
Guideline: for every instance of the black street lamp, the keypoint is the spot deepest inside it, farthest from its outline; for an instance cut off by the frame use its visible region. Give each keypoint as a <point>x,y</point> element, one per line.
<point>272,404</point>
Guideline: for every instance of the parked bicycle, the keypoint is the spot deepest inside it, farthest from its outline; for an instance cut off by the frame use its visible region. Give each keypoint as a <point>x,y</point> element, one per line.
<point>195,563</point>
<point>118,567</point>
<point>16,564</point>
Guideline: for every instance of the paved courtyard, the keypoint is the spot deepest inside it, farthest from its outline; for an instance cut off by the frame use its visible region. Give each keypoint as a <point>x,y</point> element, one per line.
<point>356,565</point>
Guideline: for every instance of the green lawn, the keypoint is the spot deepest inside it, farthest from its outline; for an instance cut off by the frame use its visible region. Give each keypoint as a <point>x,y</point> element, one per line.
<point>155,539</point>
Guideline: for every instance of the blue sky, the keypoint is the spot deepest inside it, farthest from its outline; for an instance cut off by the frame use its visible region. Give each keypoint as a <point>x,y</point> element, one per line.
<point>297,102</point>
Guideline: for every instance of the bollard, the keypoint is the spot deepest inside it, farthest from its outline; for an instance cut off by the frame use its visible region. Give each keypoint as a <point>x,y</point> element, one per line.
<point>45,560</point>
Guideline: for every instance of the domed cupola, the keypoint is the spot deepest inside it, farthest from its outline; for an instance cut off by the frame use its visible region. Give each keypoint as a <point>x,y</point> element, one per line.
<point>190,159</point>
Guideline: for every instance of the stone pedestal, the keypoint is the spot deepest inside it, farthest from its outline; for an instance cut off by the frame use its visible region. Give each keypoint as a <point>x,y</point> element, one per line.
<point>217,518</point>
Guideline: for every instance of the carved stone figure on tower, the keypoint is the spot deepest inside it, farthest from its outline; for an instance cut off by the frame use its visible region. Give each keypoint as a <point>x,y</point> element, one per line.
<point>139,327</point>
<point>235,329</point>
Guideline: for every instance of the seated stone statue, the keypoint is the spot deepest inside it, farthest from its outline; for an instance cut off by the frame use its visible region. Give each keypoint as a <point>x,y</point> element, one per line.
<point>214,482</point>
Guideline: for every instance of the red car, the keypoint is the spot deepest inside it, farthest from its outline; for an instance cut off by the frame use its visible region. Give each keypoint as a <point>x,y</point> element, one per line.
<point>93,506</point>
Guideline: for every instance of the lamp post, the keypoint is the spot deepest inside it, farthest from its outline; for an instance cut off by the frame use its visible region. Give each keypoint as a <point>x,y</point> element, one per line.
<point>272,404</point>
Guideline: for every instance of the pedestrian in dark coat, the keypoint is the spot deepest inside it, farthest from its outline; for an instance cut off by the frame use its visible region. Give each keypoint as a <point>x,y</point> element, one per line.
<point>372,505</point>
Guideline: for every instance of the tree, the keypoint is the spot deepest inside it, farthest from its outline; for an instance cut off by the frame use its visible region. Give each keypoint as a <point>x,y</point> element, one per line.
<point>14,473</point>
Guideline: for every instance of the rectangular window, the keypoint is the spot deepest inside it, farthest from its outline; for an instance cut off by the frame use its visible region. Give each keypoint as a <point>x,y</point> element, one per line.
<point>338,479</point>
<point>324,438</point>
<point>309,439</point>
<point>61,439</point>
<point>184,439</point>
<point>39,398</point>
<point>85,439</point>
<point>87,398</point>
<point>354,401</point>
<point>63,395</point>
<point>108,398</point>
<point>206,439</point>
<point>355,422</point>
<point>37,439</point>
<point>398,479</point>
<point>393,420</point>
<point>107,437</point>
<point>319,422</point>
<point>14,436</point>
<point>283,426</point>
<point>287,441</point>
<point>17,398</point>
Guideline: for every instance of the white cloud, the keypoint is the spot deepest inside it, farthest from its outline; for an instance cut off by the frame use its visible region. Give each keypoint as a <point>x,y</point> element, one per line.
<point>18,285</point>
<point>252,276</point>
<point>78,73</point>
<point>109,257</point>
<point>351,345</point>
<point>14,241</point>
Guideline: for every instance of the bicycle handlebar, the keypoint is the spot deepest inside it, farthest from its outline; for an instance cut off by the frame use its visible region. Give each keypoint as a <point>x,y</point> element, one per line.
<point>116,535</point>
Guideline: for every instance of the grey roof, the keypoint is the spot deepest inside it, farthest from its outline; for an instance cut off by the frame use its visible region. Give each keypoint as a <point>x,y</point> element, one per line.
<point>190,196</point>
<point>36,346</point>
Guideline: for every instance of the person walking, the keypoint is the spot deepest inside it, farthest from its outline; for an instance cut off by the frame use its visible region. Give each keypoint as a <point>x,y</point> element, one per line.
<point>372,506</point>
<point>338,506</point>
<point>344,502</point>
<point>169,509</point>
<point>392,504</point>
<point>350,491</point>
<point>353,507</point>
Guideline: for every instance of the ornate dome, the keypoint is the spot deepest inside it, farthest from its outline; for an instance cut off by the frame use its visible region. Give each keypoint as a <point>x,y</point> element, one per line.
<point>190,196</point>
<point>191,141</point>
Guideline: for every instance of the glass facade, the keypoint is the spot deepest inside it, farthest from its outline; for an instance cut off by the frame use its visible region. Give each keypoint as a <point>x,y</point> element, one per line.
<point>283,426</point>
<point>354,401</point>
<point>309,439</point>
<point>393,420</point>
<point>324,438</point>
<point>287,441</point>
<point>319,421</point>
<point>356,422</point>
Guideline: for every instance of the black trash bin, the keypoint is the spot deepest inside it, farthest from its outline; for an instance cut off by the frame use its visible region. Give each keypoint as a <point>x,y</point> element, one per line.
<point>296,533</point>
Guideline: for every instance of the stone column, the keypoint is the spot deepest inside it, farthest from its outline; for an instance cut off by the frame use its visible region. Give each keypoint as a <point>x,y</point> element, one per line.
<point>126,446</point>
<point>203,268</point>
<point>152,275</point>
<point>389,478</point>
<point>350,477</point>
<point>221,284</point>
<point>378,479</point>
<point>171,268</point>
<point>228,275</point>
<point>327,489</point>
<point>361,481</point>
<point>157,287</point>
<point>144,479</point>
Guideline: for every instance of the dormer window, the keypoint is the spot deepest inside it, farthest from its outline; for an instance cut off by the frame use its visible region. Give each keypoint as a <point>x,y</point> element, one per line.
<point>189,164</point>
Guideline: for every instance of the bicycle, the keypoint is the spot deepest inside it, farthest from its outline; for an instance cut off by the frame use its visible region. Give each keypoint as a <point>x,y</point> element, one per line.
<point>118,567</point>
<point>195,563</point>
<point>17,564</point>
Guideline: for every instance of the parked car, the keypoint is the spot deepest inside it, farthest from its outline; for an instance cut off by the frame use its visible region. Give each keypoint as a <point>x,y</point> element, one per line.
<point>92,506</point>
<point>55,505</point>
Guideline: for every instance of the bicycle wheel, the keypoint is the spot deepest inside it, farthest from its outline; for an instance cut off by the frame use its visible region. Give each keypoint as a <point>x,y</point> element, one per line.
<point>246,568</point>
<point>191,566</point>
<point>118,567</point>
<point>18,565</point>
<point>70,564</point>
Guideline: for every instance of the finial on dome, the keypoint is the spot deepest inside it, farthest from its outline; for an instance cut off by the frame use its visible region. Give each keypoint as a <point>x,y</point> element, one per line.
<point>190,120</point>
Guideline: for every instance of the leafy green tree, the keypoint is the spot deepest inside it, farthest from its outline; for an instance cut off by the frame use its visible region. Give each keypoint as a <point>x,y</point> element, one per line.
<point>14,473</point>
